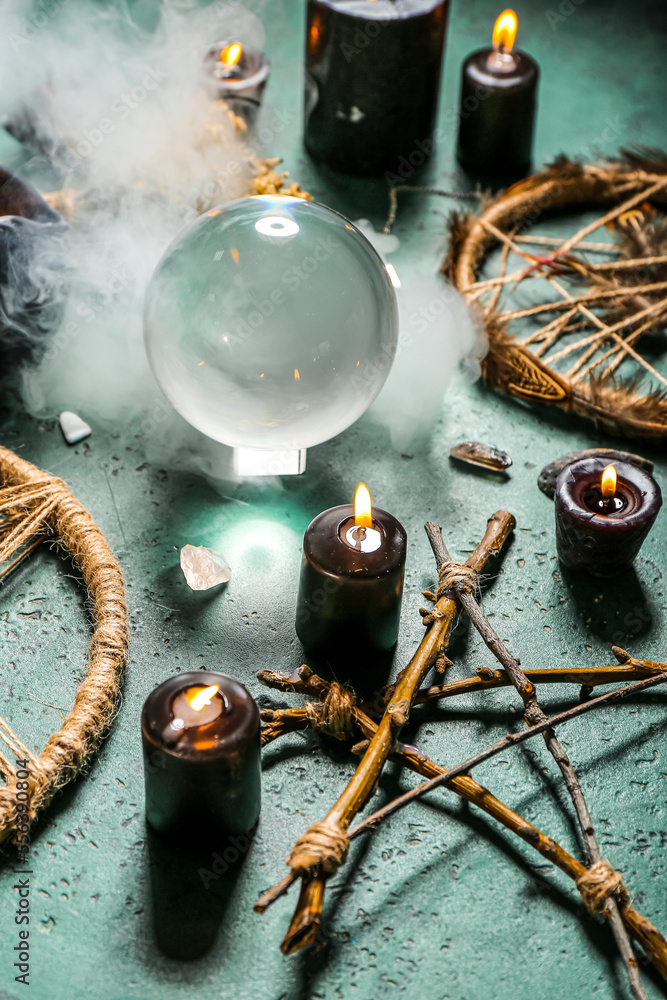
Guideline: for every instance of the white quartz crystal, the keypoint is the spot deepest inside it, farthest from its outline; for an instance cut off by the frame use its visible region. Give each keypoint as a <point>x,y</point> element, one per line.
<point>204,568</point>
<point>73,427</point>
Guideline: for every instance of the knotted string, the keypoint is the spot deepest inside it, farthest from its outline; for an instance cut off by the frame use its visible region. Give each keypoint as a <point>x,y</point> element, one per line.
<point>333,716</point>
<point>456,574</point>
<point>322,846</point>
<point>600,883</point>
<point>451,574</point>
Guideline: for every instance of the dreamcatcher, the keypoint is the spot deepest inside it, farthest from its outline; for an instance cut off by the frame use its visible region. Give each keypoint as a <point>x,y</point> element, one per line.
<point>590,341</point>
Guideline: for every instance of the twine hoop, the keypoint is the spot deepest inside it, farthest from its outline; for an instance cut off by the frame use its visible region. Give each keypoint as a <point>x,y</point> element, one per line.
<point>35,506</point>
<point>626,297</point>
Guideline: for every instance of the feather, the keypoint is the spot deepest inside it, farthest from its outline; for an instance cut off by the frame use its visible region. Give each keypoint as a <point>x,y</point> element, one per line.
<point>649,158</point>
<point>622,407</point>
<point>563,165</point>
<point>511,368</point>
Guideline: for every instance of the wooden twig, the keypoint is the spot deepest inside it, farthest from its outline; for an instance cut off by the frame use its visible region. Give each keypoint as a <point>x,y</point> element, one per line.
<point>534,716</point>
<point>633,336</point>
<point>495,295</point>
<point>488,679</point>
<point>306,918</point>
<point>511,739</point>
<point>305,682</point>
<point>581,267</point>
<point>654,310</point>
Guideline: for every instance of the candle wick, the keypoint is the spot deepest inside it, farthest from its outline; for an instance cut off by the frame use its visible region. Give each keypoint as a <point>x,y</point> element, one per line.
<point>359,534</point>
<point>173,734</point>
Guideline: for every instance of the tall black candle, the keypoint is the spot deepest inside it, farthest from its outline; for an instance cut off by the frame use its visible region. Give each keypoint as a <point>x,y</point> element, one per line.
<point>372,80</point>
<point>603,514</point>
<point>497,106</point>
<point>200,736</point>
<point>351,585</point>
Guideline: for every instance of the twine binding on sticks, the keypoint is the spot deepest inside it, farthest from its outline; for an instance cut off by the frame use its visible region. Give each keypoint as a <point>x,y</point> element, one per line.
<point>333,716</point>
<point>35,506</point>
<point>451,573</point>
<point>600,883</point>
<point>322,846</point>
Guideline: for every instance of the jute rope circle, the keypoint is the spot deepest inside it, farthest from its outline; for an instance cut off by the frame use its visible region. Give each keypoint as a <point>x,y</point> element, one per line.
<point>34,506</point>
<point>624,298</point>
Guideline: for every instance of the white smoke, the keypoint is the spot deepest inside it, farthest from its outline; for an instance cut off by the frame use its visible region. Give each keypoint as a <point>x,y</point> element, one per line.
<point>438,336</point>
<point>124,127</point>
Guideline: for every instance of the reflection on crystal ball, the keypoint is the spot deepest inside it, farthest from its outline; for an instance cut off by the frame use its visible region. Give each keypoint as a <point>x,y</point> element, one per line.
<point>271,323</point>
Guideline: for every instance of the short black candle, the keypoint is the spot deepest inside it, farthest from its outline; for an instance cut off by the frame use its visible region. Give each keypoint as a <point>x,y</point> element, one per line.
<point>351,585</point>
<point>372,80</point>
<point>238,75</point>
<point>600,533</point>
<point>497,110</point>
<point>200,736</point>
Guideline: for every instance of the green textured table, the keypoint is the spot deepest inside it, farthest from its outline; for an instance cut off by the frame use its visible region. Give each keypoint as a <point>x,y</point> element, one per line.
<point>440,902</point>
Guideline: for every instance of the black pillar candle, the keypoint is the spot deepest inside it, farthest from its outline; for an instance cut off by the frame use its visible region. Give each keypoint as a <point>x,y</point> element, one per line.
<point>351,585</point>
<point>372,80</point>
<point>497,106</point>
<point>603,517</point>
<point>200,735</point>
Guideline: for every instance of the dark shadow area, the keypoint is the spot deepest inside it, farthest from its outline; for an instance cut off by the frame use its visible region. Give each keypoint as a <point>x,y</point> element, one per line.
<point>613,609</point>
<point>368,196</point>
<point>190,888</point>
<point>283,749</point>
<point>470,180</point>
<point>500,716</point>
<point>368,675</point>
<point>488,475</point>
<point>539,885</point>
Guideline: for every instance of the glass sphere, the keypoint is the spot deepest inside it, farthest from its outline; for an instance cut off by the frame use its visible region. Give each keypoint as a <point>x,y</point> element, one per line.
<point>271,323</point>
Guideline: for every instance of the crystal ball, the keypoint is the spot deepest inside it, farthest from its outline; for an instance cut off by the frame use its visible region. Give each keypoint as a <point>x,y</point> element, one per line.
<point>271,322</point>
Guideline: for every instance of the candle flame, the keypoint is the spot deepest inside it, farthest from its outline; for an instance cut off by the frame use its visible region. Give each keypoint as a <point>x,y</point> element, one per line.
<point>201,697</point>
<point>504,31</point>
<point>231,54</point>
<point>297,377</point>
<point>363,511</point>
<point>608,485</point>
